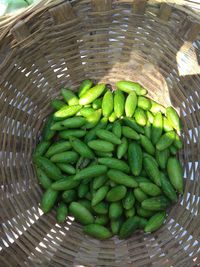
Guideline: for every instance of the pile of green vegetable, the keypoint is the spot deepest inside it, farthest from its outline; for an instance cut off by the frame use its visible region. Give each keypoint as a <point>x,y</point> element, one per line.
<point>109,159</point>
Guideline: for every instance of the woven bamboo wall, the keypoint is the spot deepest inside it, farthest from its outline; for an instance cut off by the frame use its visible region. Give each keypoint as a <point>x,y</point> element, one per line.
<point>60,44</point>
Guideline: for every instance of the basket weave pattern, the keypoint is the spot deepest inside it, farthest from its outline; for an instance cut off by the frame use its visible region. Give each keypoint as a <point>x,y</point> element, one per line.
<point>60,44</point>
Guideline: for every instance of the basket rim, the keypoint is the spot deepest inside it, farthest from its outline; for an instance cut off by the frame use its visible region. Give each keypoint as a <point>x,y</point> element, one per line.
<point>8,21</point>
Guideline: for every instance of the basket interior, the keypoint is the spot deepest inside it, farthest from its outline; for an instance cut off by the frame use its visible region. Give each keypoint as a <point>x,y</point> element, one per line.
<point>105,41</point>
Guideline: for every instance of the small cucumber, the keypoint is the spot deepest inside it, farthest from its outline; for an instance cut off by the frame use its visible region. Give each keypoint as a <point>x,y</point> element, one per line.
<point>58,147</point>
<point>116,193</point>
<point>69,97</point>
<point>117,129</point>
<point>155,222</point>
<point>81,148</point>
<point>48,200</point>
<point>121,178</point>
<point>150,189</point>
<point>144,103</point>
<point>152,170</point>
<point>75,122</point>
<point>97,231</point>
<point>61,213</point>
<point>115,210</point>
<point>128,227</point>
<point>129,200</point>
<point>157,128</point>
<point>51,170</point>
<point>130,133</point>
<point>92,94</point>
<point>84,87</point>
<point>90,172</point>
<point>168,189</point>
<point>162,157</point>
<point>175,172</point>
<point>65,184</point>
<point>66,112</point>
<point>107,104</point>
<point>108,136</point>
<point>81,214</point>
<point>165,140</point>
<point>174,118</point>
<point>155,203</point>
<point>147,145</point>
<point>130,104</point>
<point>140,117</point>
<point>139,195</point>
<point>119,103</point>
<point>100,195</point>
<point>67,168</point>
<point>122,148</point>
<point>129,87</point>
<point>115,164</point>
<point>43,179</point>
<point>65,157</point>
<point>135,158</point>
<point>101,145</point>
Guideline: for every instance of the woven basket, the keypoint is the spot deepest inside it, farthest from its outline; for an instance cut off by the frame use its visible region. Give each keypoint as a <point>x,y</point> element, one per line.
<point>59,44</point>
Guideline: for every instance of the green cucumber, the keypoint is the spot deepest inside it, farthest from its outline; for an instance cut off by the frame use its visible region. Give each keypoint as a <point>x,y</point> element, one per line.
<point>48,200</point>
<point>69,97</point>
<point>157,128</point>
<point>121,178</point>
<point>155,222</point>
<point>81,214</point>
<point>90,172</point>
<point>130,104</point>
<point>135,158</point>
<point>92,94</point>
<point>107,104</point>
<point>129,87</point>
<point>119,103</point>
<point>175,172</point>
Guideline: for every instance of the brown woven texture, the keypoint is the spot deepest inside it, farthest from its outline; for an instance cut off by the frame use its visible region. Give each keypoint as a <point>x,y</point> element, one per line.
<point>59,44</point>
